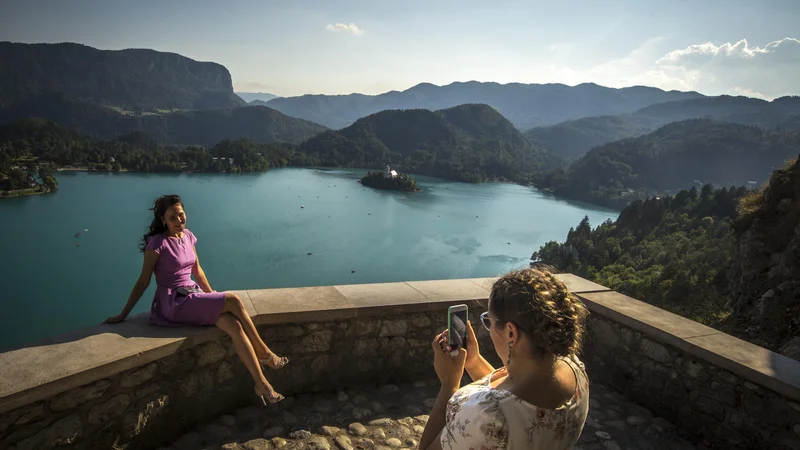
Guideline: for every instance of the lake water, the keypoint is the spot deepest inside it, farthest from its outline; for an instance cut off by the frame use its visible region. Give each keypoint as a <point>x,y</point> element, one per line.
<point>252,233</point>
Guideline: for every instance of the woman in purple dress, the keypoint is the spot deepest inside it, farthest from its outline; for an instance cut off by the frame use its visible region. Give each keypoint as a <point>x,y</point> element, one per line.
<point>169,251</point>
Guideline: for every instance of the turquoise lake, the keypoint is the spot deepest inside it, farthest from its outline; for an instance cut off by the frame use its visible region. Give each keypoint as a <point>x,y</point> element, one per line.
<point>252,233</point>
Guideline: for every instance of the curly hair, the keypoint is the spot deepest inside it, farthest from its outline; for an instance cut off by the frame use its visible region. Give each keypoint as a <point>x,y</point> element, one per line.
<point>157,226</point>
<point>542,308</point>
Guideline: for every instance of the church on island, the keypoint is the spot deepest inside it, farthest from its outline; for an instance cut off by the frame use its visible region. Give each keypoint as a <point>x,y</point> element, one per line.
<point>389,172</point>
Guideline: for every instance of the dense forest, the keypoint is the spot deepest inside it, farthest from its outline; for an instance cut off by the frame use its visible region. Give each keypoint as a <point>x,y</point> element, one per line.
<point>467,143</point>
<point>201,127</point>
<point>133,79</point>
<point>673,252</point>
<point>674,157</point>
<point>25,142</point>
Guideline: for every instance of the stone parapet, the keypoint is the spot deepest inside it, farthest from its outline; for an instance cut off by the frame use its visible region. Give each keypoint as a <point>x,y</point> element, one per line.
<point>141,386</point>
<point>724,391</point>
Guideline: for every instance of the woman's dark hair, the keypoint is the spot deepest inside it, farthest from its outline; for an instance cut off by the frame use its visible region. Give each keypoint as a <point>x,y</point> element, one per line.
<point>542,308</point>
<point>157,226</point>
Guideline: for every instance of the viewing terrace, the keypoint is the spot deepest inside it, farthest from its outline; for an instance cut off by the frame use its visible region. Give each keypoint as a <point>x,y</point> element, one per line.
<point>361,376</point>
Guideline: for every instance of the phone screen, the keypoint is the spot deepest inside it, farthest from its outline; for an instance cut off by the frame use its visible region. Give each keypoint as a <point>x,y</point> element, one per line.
<point>457,328</point>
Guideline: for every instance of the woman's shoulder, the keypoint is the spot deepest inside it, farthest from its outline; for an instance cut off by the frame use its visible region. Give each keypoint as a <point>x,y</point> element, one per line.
<point>154,242</point>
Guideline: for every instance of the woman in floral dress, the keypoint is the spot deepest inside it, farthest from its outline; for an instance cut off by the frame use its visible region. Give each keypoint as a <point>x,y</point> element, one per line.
<point>540,398</point>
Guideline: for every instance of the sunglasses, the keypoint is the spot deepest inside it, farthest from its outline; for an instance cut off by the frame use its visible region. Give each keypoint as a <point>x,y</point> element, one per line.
<point>487,321</point>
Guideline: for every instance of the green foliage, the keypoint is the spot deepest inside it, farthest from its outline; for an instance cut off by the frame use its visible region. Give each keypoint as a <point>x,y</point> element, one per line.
<point>401,182</point>
<point>672,252</point>
<point>471,143</point>
<point>673,157</point>
<point>134,79</point>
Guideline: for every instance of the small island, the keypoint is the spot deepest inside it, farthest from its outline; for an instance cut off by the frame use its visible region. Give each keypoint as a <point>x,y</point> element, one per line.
<point>389,180</point>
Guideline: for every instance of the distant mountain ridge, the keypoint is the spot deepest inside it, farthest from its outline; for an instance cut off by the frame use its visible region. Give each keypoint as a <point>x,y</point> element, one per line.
<point>674,157</point>
<point>131,79</point>
<point>572,139</point>
<point>250,97</point>
<point>465,143</point>
<point>200,127</point>
<point>525,105</point>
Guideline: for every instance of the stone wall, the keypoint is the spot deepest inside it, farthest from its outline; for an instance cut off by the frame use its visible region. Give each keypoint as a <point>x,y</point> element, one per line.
<point>709,402</point>
<point>152,405</point>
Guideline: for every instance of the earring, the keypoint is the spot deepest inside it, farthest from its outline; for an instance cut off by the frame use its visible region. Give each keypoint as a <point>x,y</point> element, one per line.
<point>508,360</point>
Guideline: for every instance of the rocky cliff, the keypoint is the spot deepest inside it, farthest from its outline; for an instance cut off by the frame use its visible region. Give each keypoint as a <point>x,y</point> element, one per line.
<point>766,272</point>
<point>132,79</point>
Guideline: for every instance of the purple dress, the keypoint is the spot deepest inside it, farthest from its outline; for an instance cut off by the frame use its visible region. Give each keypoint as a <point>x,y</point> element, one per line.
<point>174,269</point>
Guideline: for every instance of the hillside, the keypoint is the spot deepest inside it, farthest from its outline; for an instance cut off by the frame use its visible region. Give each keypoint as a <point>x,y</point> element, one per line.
<point>673,157</point>
<point>468,143</point>
<point>766,273</point>
<point>202,127</point>
<point>133,79</point>
<point>672,252</point>
<point>32,139</point>
<point>525,105</point>
<point>572,139</point>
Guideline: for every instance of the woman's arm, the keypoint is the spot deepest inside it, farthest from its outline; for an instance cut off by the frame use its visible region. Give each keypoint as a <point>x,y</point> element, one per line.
<point>199,275</point>
<point>432,435</point>
<point>150,259</point>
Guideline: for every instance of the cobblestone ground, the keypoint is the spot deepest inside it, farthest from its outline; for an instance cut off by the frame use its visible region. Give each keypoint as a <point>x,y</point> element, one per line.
<point>392,417</point>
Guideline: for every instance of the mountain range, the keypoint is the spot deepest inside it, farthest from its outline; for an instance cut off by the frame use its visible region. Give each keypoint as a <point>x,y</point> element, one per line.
<point>673,157</point>
<point>525,105</point>
<point>201,127</point>
<point>573,138</point>
<point>251,97</point>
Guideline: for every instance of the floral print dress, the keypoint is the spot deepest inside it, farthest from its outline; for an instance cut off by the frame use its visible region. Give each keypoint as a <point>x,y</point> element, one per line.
<point>480,417</point>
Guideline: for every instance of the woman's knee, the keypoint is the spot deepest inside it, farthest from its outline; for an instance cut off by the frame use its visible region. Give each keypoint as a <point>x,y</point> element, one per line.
<point>233,303</point>
<point>229,324</point>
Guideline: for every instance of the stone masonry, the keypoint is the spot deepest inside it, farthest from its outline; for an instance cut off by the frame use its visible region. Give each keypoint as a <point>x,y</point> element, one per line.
<point>150,405</point>
<point>706,401</point>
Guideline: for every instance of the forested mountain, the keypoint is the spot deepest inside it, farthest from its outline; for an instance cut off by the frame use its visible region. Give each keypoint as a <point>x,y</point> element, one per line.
<point>525,105</point>
<point>202,127</point>
<point>674,157</point>
<point>672,252</point>
<point>251,97</point>
<point>468,143</point>
<point>572,139</point>
<point>133,79</point>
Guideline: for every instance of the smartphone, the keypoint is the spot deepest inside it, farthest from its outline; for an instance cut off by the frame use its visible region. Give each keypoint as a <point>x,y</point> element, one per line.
<point>457,327</point>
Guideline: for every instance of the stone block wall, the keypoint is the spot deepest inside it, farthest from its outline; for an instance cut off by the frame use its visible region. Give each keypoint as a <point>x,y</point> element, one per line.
<point>707,401</point>
<point>153,404</point>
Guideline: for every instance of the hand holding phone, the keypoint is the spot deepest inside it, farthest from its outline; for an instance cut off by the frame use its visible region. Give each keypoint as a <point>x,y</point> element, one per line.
<point>457,328</point>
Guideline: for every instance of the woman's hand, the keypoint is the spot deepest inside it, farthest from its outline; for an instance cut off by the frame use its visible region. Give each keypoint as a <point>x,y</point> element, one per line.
<point>115,319</point>
<point>448,368</point>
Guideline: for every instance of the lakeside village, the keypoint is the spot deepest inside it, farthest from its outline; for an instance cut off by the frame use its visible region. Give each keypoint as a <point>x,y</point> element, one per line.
<point>31,176</point>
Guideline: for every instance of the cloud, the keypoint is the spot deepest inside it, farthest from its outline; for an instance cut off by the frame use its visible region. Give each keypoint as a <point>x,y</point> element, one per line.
<point>347,28</point>
<point>734,68</point>
<point>737,68</point>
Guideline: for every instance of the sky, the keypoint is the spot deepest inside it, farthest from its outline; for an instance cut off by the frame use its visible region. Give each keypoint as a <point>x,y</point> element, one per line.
<point>296,47</point>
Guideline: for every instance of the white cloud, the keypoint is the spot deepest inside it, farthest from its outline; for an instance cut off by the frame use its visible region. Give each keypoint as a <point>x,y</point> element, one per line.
<point>736,68</point>
<point>347,28</point>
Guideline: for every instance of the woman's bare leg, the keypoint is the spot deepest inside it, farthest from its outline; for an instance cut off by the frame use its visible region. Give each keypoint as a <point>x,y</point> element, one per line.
<point>234,305</point>
<point>233,328</point>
